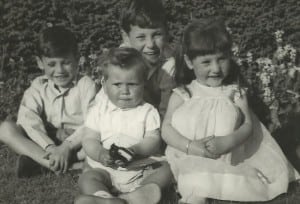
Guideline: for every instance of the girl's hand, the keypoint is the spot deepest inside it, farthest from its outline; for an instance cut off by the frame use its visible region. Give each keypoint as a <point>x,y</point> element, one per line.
<point>219,145</point>
<point>198,148</point>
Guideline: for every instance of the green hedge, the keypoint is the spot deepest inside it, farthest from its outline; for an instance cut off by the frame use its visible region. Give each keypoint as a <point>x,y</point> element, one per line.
<point>95,22</point>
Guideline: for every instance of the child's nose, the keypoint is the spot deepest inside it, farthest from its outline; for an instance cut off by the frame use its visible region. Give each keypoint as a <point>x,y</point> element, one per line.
<point>150,43</point>
<point>59,67</point>
<point>216,67</point>
<point>125,90</point>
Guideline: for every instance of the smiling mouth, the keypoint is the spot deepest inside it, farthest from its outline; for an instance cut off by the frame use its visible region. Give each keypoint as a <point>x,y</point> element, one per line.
<point>60,76</point>
<point>151,53</point>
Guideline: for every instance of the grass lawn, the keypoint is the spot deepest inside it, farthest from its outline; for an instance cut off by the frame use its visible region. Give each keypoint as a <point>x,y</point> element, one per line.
<point>52,189</point>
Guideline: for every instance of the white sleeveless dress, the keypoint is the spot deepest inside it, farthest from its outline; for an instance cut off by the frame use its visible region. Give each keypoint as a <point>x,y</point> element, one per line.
<point>234,176</point>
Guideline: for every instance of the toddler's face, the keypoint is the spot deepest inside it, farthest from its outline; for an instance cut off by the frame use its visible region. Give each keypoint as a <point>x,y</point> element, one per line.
<point>61,70</point>
<point>148,41</point>
<point>210,70</point>
<point>124,88</point>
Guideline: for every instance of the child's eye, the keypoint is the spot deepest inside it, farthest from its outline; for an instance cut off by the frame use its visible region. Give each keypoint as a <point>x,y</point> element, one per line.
<point>133,84</point>
<point>66,62</point>
<point>140,37</point>
<point>51,64</point>
<point>117,84</point>
<point>205,62</point>
<point>157,35</point>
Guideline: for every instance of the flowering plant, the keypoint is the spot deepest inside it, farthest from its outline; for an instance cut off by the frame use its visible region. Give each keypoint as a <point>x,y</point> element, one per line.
<point>275,80</point>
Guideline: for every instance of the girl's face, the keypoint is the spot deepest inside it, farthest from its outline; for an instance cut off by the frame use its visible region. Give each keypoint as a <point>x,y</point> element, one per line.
<point>124,88</point>
<point>211,69</point>
<point>148,41</point>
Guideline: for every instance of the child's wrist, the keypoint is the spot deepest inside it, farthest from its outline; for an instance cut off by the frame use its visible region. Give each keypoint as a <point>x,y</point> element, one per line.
<point>68,144</point>
<point>49,147</point>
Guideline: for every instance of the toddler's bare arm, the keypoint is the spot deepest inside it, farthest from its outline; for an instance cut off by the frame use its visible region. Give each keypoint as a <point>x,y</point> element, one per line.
<point>93,148</point>
<point>149,145</point>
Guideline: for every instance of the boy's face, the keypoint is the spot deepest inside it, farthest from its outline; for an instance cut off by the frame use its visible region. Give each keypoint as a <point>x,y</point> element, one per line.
<point>124,88</point>
<point>61,70</point>
<point>149,41</point>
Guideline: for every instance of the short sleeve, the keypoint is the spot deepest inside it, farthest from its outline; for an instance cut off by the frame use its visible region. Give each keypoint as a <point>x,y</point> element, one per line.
<point>93,118</point>
<point>152,121</point>
<point>88,92</point>
<point>180,91</point>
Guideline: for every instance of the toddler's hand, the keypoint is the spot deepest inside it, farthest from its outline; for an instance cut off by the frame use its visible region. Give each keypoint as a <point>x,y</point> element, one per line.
<point>104,158</point>
<point>121,155</point>
<point>218,145</point>
<point>198,148</point>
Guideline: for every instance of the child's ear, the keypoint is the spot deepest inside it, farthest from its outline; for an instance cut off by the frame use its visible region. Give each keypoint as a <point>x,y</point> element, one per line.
<point>125,37</point>
<point>188,62</point>
<point>39,62</point>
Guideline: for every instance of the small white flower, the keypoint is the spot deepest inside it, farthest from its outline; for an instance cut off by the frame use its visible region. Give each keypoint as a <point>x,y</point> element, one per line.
<point>93,56</point>
<point>49,25</point>
<point>82,60</point>
<point>292,73</point>
<point>235,49</point>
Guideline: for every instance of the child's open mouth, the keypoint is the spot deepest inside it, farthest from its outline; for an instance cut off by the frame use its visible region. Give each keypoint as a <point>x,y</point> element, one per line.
<point>61,77</point>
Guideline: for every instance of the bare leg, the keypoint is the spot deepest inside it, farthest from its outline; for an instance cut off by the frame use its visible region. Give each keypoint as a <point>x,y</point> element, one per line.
<point>90,199</point>
<point>12,135</point>
<point>94,180</point>
<point>151,186</point>
<point>146,194</point>
<point>163,176</point>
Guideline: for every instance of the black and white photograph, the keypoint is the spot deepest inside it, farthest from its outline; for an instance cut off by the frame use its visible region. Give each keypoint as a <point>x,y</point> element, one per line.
<point>150,102</point>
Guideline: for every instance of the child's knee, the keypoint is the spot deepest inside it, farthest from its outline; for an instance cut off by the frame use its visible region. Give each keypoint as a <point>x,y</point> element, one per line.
<point>165,168</point>
<point>81,200</point>
<point>93,176</point>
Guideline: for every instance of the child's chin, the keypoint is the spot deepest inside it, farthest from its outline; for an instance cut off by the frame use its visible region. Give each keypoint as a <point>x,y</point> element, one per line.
<point>152,59</point>
<point>62,84</point>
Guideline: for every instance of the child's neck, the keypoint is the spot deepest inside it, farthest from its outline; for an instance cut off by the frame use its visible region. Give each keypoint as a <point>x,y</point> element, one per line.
<point>152,68</point>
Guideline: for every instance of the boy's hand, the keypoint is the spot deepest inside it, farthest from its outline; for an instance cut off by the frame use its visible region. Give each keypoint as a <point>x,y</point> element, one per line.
<point>198,148</point>
<point>59,157</point>
<point>219,145</point>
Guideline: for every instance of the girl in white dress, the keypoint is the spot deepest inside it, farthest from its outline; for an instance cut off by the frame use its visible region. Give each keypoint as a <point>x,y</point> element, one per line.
<point>217,148</point>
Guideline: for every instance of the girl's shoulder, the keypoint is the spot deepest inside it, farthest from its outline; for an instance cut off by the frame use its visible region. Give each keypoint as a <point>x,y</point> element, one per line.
<point>183,92</point>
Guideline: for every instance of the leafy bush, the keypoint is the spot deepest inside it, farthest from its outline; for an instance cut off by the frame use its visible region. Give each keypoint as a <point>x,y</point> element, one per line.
<point>95,23</point>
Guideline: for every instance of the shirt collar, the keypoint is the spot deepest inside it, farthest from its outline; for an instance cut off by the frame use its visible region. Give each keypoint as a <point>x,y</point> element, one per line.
<point>55,88</point>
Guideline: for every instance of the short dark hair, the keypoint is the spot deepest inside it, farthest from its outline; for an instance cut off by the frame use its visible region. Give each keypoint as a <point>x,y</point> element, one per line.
<point>57,41</point>
<point>143,13</point>
<point>125,58</point>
